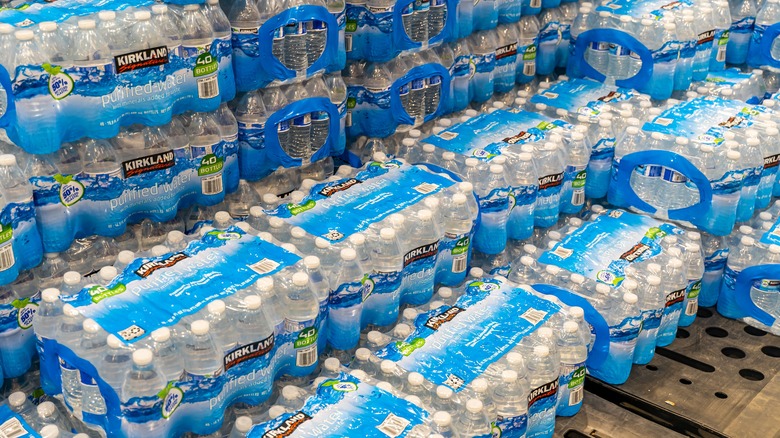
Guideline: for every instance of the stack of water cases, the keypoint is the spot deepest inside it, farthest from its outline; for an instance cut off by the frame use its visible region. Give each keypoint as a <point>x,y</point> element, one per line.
<point>413,61</point>
<point>287,57</point>
<point>112,114</point>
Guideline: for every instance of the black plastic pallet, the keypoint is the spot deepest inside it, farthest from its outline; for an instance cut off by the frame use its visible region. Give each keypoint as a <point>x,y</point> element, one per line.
<point>718,379</point>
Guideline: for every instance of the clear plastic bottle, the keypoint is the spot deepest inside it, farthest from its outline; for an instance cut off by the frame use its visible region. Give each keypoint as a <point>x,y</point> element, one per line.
<point>201,357</point>
<point>743,16</point>
<point>651,304</point>
<point>740,257</point>
<point>543,394</point>
<point>511,399</point>
<point>493,192</point>
<point>454,248</point>
<point>694,268</point>
<point>346,302</point>
<point>221,326</point>
<point>473,421</point>
<point>574,353</point>
<point>141,381</point>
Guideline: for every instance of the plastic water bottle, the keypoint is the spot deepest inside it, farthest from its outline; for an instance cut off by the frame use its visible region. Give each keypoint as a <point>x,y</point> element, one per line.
<point>763,293</point>
<point>346,302</point>
<point>524,183</point>
<point>511,400</point>
<point>221,325</point>
<point>675,286</point>
<point>49,415</point>
<point>624,325</point>
<point>705,34</point>
<point>767,15</point>
<point>142,381</point>
<point>574,352</point>
<point>740,257</point>
<point>299,140</point>
<point>437,16</point>
<point>506,58</point>
<point>598,52</point>
<point>473,422</point>
<point>453,249</point>
<point>753,165</point>
<point>543,396</point>
<point>241,427</point>
<point>527,30</point>
<point>70,332</point>
<point>694,267</point>
<point>420,30</point>
<point>442,424</point>
<point>493,192</point>
<point>547,41</point>
<point>721,15</point>
<point>421,246</point>
<point>483,49</point>
<point>686,34</point>
<point>652,303</point>
<point>168,357</point>
<point>743,16</point>
<point>551,173</point>
<point>771,152</point>
<point>575,176</point>
<point>201,356</point>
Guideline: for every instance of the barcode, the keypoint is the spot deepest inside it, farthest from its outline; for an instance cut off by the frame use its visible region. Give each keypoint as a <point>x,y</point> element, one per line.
<point>549,94</point>
<point>307,356</point>
<point>459,264</point>
<point>426,188</point>
<point>454,381</point>
<point>208,87</point>
<point>533,316</point>
<point>578,198</point>
<point>448,135</point>
<point>529,69</point>
<point>348,43</point>
<point>348,119</point>
<point>663,121</point>
<point>212,185</point>
<point>576,395</point>
<point>12,429</point>
<point>536,3</point>
<point>692,307</point>
<point>721,56</point>
<point>562,252</point>
<point>132,332</point>
<point>264,266</point>
<point>7,256</point>
<point>393,425</point>
<point>776,232</point>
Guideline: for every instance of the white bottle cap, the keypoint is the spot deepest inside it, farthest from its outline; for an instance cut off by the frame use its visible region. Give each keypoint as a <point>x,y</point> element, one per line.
<point>442,418</point>
<point>191,7</point>
<point>525,156</point>
<point>605,122</point>
<point>496,169</point>
<point>693,247</point>
<point>653,280</point>
<point>290,392</point>
<point>270,198</point>
<point>311,262</point>
<point>201,326</point>
<point>774,249</point>
<point>331,364</point>
<point>23,35</point>
<point>216,307</point>
<point>47,26</point>
<point>389,233</point>
<point>509,376</point>
<point>527,260</point>
<point>387,366</point>
<point>300,279</point>
<point>158,250</point>
<point>732,155</point>
<point>47,409</point>
<point>630,284</point>
<point>379,156</point>
<point>602,288</point>
<point>476,272</point>
<point>630,298</point>
<point>50,431</point>
<point>654,267</point>
<point>397,219</point>
<point>550,146</point>
<point>362,354</point>
<point>424,214</point>
<point>443,392</point>
<point>474,406</point>
<point>471,162</point>
<point>479,385</point>
<point>541,351</point>
<point>156,9</point>
<point>276,410</point>
<point>675,263</point>
<point>107,273</point>
<point>402,330</point>
<point>384,386</point>
<point>670,26</point>
<point>8,159</point>
<point>252,302</point>
<point>142,15</point>
<point>448,156</point>
<point>415,379</point>
<point>17,399</point>
<point>348,254</point>
<point>243,423</point>
<point>298,232</point>
<point>445,292</point>
<point>540,107</point>
<point>162,334</point>
<point>357,239</point>
<point>545,332</point>
<point>413,399</point>
<point>429,148</point>
<point>410,313</point>
<point>86,24</point>
<point>747,241</point>
<point>108,15</point>
<point>553,270</point>
<point>50,295</point>
<point>415,133</point>
<point>265,284</point>
<point>114,342</point>
<point>143,356</point>
<point>575,278</point>
<point>275,222</point>
<point>465,187</point>
<point>408,142</point>
<point>70,311</point>
<point>570,326</point>
<point>90,326</point>
<point>577,312</point>
<point>321,243</point>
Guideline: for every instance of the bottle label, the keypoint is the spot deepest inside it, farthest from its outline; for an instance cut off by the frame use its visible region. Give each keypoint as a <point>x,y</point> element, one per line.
<point>675,297</point>
<point>576,176</point>
<point>542,398</point>
<point>467,337</point>
<point>716,261</point>
<point>572,383</point>
<point>603,149</point>
<point>510,427</point>
<point>743,25</point>
<point>496,201</point>
<point>453,252</point>
<point>651,319</point>
<point>603,248</point>
<point>669,175</point>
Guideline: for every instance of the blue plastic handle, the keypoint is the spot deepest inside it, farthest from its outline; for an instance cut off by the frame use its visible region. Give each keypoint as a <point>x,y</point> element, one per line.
<point>295,109</point>
<point>743,286</point>
<point>416,73</point>
<point>623,39</point>
<point>765,47</point>
<point>10,110</point>
<point>598,354</point>
<point>296,15</point>
<point>695,213</point>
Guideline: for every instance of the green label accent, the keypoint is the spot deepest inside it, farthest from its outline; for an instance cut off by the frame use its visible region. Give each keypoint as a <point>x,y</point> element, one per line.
<point>545,126</point>
<point>530,53</point>
<point>406,348</point>
<point>100,293</point>
<point>578,378</point>
<point>210,164</point>
<point>655,232</point>
<point>695,289</point>
<point>306,337</point>
<point>295,210</point>
<point>461,246</point>
<point>6,233</point>
<point>351,26</point>
<point>579,180</point>
<point>351,102</point>
<point>205,65</point>
<point>724,39</point>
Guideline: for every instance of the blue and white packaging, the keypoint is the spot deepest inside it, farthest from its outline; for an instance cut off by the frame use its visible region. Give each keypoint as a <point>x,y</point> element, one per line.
<point>50,103</point>
<point>14,424</point>
<point>346,407</point>
<point>163,291</point>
